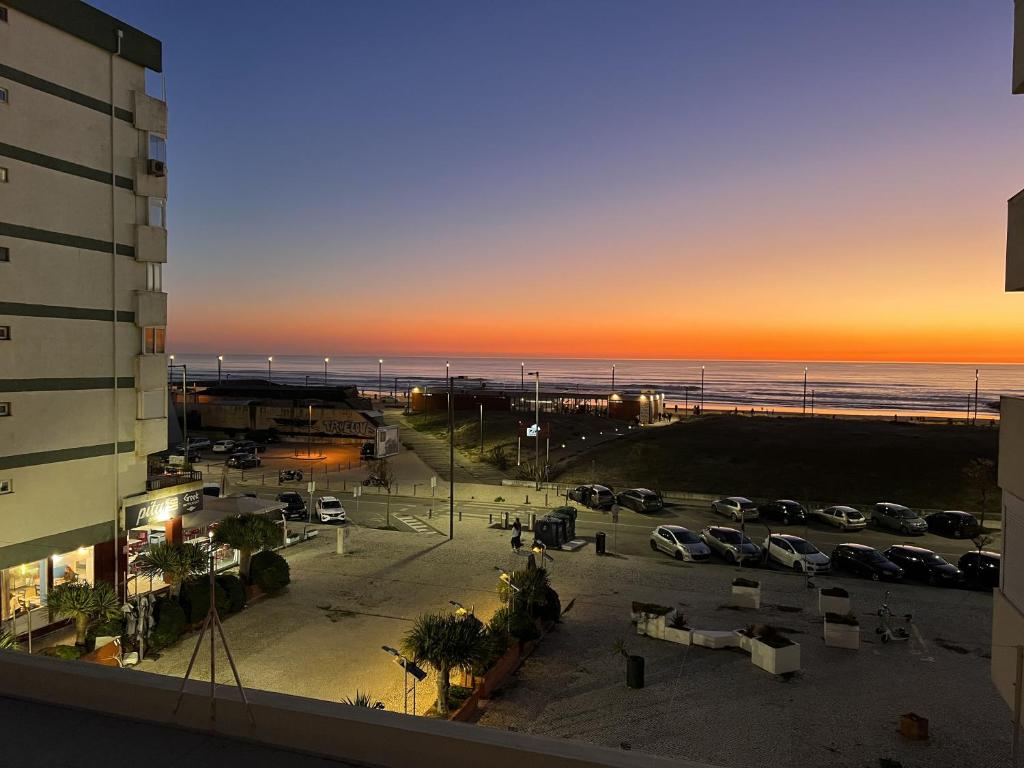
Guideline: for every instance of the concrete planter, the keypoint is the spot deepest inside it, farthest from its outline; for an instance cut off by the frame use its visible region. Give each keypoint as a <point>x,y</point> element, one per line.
<point>679,636</point>
<point>745,641</point>
<point>778,661</point>
<point>652,625</point>
<point>839,635</point>
<point>833,603</point>
<point>713,638</point>
<point>747,597</point>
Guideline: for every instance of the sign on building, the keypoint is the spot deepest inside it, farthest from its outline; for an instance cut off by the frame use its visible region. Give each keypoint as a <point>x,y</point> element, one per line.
<point>150,511</point>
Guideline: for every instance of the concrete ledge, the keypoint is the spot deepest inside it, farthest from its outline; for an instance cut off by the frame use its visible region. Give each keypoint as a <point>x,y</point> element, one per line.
<point>329,729</point>
<point>713,638</point>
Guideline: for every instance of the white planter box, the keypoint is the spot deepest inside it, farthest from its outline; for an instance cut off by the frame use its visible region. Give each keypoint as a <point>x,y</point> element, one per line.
<point>652,626</point>
<point>748,597</point>
<point>713,638</point>
<point>778,661</point>
<point>744,641</point>
<point>842,635</point>
<point>830,604</point>
<point>680,636</point>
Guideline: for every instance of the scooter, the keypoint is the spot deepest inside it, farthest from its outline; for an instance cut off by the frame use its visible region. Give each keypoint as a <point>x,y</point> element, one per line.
<point>886,619</point>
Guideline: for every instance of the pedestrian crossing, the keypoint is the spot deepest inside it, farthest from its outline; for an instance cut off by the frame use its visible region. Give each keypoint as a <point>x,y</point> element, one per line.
<point>415,524</point>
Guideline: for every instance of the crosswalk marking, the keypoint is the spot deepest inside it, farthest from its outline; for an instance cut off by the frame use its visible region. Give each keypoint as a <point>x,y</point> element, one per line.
<point>415,524</point>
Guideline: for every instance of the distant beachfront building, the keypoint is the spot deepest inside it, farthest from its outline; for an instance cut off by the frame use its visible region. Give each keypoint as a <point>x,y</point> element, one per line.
<point>83,240</point>
<point>1008,599</point>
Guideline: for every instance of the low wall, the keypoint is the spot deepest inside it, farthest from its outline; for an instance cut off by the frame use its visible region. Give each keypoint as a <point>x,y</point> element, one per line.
<point>333,730</point>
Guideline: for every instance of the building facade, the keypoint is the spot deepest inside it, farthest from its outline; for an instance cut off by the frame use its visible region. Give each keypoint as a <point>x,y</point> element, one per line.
<point>83,240</point>
<point>1008,597</point>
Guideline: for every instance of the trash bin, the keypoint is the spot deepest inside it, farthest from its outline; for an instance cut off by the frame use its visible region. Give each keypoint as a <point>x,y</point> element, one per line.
<point>549,531</point>
<point>599,542</point>
<point>568,514</point>
<point>635,672</point>
<point>560,527</point>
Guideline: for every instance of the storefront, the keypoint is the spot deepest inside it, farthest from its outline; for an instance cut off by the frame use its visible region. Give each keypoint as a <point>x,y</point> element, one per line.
<point>23,588</point>
<point>152,518</point>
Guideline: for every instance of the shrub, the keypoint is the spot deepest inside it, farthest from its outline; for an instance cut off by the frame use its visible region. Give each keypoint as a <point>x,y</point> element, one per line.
<point>170,623</point>
<point>551,607</point>
<point>108,628</point>
<point>66,652</point>
<point>498,457</point>
<point>750,583</point>
<point>840,618</point>
<point>235,591</point>
<point>269,571</point>
<point>518,626</point>
<point>195,599</point>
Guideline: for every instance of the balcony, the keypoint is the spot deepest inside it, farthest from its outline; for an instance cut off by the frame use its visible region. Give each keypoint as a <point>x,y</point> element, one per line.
<point>150,113</point>
<point>170,478</point>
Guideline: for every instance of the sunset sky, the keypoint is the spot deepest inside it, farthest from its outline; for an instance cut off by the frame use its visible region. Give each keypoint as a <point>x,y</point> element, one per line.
<point>803,179</point>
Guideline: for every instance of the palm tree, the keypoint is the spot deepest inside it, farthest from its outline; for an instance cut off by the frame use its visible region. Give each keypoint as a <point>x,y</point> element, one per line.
<point>175,562</point>
<point>445,642</point>
<point>528,590</point>
<point>247,533</point>
<point>8,642</point>
<point>84,603</point>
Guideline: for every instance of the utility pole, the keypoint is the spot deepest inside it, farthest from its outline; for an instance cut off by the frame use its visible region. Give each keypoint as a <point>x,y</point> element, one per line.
<point>613,377</point>
<point>975,395</point>
<point>380,374</point>
<point>702,390</point>
<point>220,361</point>
<point>270,374</point>
<point>805,390</point>
<point>481,431</point>
<point>536,424</point>
<point>326,361</point>
<point>451,460</point>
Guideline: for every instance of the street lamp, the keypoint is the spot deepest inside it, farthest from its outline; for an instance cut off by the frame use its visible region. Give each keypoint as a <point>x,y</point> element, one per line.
<point>613,377</point>
<point>506,577</point>
<point>702,390</point>
<point>220,361</point>
<point>326,361</point>
<point>184,408</point>
<point>976,375</point>
<point>522,375</point>
<point>805,390</point>
<point>380,376</point>
<point>451,457</point>
<point>410,668</point>
<point>536,424</point>
<point>270,374</point>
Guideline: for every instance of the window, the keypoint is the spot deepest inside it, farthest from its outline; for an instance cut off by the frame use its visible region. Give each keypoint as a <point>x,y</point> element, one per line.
<point>5,333</point>
<point>4,96</point>
<point>154,276</point>
<point>157,212</point>
<point>5,409</point>
<point>7,486</point>
<point>3,14</point>
<point>5,253</point>
<point>155,340</point>
<point>157,148</point>
<point>3,175</point>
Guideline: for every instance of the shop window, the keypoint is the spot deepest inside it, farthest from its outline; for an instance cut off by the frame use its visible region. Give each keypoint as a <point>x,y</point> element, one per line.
<point>22,589</point>
<point>73,566</point>
<point>155,340</point>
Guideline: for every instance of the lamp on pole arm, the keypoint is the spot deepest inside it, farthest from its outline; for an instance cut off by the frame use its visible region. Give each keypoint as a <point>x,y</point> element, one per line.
<point>536,424</point>
<point>220,362</point>
<point>326,361</point>
<point>270,372</point>
<point>522,375</point>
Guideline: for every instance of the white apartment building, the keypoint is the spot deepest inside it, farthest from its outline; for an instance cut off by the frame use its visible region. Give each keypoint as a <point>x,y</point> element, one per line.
<point>1008,599</point>
<point>83,240</point>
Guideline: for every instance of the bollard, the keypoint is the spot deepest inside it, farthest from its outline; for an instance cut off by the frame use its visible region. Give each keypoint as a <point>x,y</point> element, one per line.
<point>527,499</point>
<point>546,499</point>
<point>460,514</point>
<point>490,519</point>
<point>504,520</point>
<point>533,521</point>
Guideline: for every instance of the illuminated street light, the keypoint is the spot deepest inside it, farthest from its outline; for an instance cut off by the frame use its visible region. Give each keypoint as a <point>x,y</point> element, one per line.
<point>380,375</point>
<point>326,361</point>
<point>220,361</point>
<point>270,373</point>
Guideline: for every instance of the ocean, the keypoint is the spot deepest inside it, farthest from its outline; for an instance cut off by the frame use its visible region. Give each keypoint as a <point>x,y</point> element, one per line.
<point>876,389</point>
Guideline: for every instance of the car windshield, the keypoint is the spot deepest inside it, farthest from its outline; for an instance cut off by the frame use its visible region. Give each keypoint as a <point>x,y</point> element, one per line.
<point>331,504</point>
<point>906,514</point>
<point>686,537</point>
<point>733,537</point>
<point>872,556</point>
<point>932,559</point>
<point>802,547</point>
<point>649,497</point>
<point>748,505</point>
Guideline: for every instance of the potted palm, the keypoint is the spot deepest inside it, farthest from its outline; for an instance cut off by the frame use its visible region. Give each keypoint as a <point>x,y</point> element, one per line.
<point>445,642</point>
<point>247,533</point>
<point>84,603</point>
<point>842,630</point>
<point>175,562</point>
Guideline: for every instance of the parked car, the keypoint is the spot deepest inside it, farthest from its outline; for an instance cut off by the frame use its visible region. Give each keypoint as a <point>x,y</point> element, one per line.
<point>785,510</point>
<point>896,517</point>
<point>593,496</point>
<point>289,476</point>
<point>296,509</point>
<point>981,569</point>
<point>843,518</point>
<point>923,564</point>
<point>197,443</point>
<point>329,509</point>
<point>243,461</point>
<point>736,508</point>
<point>959,525</point>
<point>224,446</point>
<point>680,542</point>
<point>249,446</point>
<point>865,561</point>
<point>193,453</point>
<point>639,500</point>
<point>730,544</point>
<point>796,553</point>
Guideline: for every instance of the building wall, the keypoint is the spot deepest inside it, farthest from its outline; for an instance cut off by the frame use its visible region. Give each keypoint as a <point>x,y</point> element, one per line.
<point>58,371</point>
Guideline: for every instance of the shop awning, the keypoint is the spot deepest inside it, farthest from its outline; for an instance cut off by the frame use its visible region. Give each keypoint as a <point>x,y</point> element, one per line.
<point>215,510</point>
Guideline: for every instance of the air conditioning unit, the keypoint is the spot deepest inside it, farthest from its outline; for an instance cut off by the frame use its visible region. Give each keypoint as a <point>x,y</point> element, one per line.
<point>157,168</point>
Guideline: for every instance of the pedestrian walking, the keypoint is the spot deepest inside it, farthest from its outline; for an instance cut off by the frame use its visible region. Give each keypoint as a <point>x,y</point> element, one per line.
<point>517,535</point>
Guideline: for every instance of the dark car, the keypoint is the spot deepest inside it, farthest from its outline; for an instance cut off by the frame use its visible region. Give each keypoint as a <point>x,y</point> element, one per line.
<point>897,517</point>
<point>296,509</point>
<point>243,461</point>
<point>959,525</point>
<point>864,561</point>
<point>289,476</point>
<point>639,500</point>
<point>785,510</point>
<point>923,564</point>
<point>981,569</point>
<point>593,496</point>
<point>248,446</point>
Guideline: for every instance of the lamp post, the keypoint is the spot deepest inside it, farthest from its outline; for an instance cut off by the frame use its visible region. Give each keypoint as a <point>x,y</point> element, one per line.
<point>702,390</point>
<point>976,375</point>
<point>184,408</point>
<point>805,390</point>
<point>522,375</point>
<point>326,361</point>
<point>536,424</point>
<point>451,458</point>
<point>380,376</point>
<point>481,430</point>
<point>220,361</point>
<point>270,373</point>
<point>613,377</point>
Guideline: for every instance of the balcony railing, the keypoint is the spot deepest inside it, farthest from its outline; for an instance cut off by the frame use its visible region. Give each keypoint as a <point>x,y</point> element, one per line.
<point>171,478</point>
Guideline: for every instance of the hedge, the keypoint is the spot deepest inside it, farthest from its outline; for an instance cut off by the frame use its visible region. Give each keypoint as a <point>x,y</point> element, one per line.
<point>195,599</point>
<point>235,591</point>
<point>269,571</point>
<point>170,622</point>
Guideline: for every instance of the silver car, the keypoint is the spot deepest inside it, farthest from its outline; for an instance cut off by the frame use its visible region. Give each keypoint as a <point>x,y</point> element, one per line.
<point>736,508</point>
<point>843,518</point>
<point>680,542</point>
<point>730,544</point>
<point>796,553</point>
<point>898,518</point>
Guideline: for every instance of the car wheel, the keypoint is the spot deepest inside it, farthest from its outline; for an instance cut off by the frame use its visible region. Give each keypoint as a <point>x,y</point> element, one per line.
<point>735,517</point>
<point>785,519</point>
<point>875,576</point>
<point>654,546</point>
<point>798,567</point>
<point>678,555</point>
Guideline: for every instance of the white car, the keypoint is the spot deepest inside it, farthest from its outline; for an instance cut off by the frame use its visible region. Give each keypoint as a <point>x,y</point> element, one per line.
<point>796,553</point>
<point>844,518</point>
<point>224,446</point>
<point>736,508</point>
<point>681,543</point>
<point>329,509</point>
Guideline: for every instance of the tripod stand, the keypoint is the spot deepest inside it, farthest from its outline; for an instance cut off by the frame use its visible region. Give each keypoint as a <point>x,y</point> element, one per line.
<point>212,622</point>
